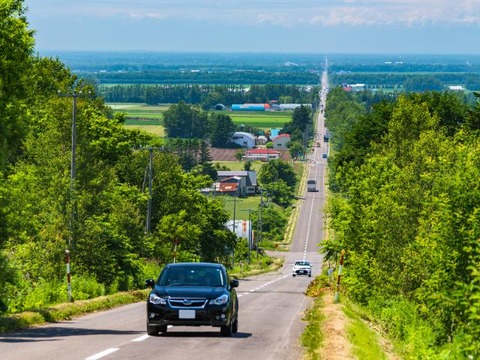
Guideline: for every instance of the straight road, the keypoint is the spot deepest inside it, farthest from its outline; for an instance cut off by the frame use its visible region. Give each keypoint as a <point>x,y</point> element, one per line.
<point>270,316</point>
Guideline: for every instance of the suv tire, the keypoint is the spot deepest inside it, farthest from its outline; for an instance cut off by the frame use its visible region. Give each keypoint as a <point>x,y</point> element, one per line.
<point>226,330</point>
<point>152,330</point>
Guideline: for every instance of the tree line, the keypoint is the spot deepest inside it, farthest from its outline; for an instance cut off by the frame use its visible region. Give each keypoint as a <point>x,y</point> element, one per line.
<point>207,96</point>
<point>409,82</point>
<point>404,205</point>
<point>202,77</point>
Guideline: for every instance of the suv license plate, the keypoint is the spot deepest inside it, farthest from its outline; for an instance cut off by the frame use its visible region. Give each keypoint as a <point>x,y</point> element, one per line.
<point>186,314</point>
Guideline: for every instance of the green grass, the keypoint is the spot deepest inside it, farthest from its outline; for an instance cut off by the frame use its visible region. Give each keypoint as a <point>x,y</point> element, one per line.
<point>68,311</point>
<point>239,165</point>
<point>312,337</point>
<point>151,129</point>
<point>263,120</point>
<point>364,340</point>
<point>240,205</point>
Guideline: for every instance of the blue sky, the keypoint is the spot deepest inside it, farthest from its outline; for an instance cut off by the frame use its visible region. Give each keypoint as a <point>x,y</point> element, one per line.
<point>301,26</point>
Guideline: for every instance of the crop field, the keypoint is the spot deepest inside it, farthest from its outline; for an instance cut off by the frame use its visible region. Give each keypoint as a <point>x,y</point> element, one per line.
<point>140,114</point>
<point>149,118</point>
<point>259,119</point>
<point>151,129</point>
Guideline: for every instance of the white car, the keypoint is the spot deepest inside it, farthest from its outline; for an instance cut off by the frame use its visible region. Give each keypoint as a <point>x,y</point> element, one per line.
<point>302,267</point>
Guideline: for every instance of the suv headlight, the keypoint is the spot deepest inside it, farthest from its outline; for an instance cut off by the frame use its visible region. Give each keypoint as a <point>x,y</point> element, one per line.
<point>157,300</point>
<point>222,300</point>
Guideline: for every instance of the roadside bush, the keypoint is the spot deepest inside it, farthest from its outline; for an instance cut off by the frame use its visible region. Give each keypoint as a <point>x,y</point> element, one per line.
<point>84,288</point>
<point>45,293</point>
<point>399,318</point>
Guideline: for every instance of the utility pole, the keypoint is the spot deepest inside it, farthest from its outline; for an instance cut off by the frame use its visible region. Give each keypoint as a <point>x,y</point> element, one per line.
<point>249,232</point>
<point>234,226</point>
<point>259,222</point>
<point>73,95</point>
<point>73,203</point>
<point>150,149</point>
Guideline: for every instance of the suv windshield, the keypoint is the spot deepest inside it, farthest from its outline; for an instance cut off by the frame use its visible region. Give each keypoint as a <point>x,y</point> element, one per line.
<point>302,263</point>
<point>191,276</point>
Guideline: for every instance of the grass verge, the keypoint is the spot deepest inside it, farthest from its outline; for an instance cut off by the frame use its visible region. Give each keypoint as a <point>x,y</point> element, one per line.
<point>68,311</point>
<point>364,340</point>
<point>312,337</point>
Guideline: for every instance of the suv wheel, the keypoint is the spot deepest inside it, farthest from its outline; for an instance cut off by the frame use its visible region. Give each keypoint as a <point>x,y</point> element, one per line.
<point>152,330</point>
<point>235,326</point>
<point>162,328</point>
<point>226,330</point>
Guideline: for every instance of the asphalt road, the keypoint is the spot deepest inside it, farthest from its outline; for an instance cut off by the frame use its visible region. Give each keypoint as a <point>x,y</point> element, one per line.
<point>270,316</point>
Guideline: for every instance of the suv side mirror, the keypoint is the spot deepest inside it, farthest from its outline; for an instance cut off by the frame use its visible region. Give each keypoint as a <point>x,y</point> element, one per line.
<point>150,282</point>
<point>234,283</point>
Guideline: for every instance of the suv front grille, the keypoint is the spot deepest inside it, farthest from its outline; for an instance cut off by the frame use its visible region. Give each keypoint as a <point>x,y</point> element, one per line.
<point>187,303</point>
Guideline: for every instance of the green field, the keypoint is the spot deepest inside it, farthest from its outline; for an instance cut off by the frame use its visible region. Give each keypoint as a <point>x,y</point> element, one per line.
<point>139,115</point>
<point>260,119</point>
<point>239,165</point>
<point>240,206</point>
<point>151,129</point>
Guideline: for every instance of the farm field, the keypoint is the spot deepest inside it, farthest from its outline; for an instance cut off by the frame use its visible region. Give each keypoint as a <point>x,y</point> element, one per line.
<point>157,130</point>
<point>149,117</point>
<point>260,119</point>
<point>239,165</point>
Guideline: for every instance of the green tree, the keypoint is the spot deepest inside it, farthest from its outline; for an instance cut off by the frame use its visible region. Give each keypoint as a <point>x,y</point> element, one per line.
<point>275,170</point>
<point>185,121</point>
<point>17,44</point>
<point>221,129</point>
<point>295,149</point>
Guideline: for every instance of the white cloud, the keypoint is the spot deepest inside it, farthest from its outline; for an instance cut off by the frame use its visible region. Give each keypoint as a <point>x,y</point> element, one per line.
<point>277,12</point>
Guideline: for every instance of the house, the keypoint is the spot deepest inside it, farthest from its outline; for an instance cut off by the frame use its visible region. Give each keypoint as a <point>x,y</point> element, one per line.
<point>281,141</point>
<point>261,154</point>
<point>262,140</point>
<point>246,181</point>
<point>243,139</point>
<point>229,186</point>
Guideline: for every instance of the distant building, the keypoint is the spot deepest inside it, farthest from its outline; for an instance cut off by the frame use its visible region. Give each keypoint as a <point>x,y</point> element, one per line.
<point>280,142</point>
<point>250,107</point>
<point>293,106</point>
<point>274,133</point>
<point>354,87</point>
<point>234,183</point>
<point>247,181</point>
<point>261,140</point>
<point>244,139</point>
<point>262,154</point>
<point>456,88</point>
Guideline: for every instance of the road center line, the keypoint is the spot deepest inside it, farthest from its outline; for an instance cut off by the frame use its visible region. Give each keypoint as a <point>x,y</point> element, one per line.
<point>141,338</point>
<point>102,354</point>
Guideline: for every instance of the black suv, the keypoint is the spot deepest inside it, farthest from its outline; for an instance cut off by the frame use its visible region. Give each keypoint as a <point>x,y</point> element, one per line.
<point>193,294</point>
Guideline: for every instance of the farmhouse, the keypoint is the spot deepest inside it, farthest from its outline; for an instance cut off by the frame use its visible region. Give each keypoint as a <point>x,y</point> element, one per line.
<point>247,181</point>
<point>234,183</point>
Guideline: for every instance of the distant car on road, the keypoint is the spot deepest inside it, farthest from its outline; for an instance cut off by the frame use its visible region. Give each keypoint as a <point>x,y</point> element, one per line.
<point>193,294</point>
<point>324,155</point>
<point>302,267</point>
<point>311,185</point>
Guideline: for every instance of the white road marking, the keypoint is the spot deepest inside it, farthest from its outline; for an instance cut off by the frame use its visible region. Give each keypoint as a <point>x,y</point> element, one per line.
<point>102,354</point>
<point>141,338</point>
